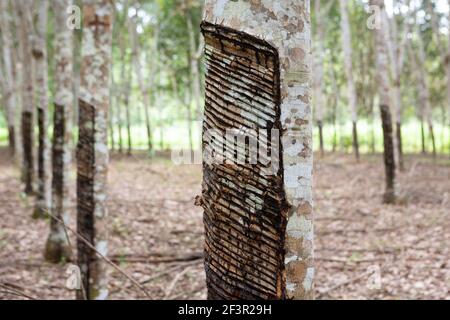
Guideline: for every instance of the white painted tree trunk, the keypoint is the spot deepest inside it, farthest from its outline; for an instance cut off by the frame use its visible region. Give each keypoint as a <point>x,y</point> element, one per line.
<point>275,36</point>
<point>57,247</point>
<point>92,149</point>
<point>348,53</point>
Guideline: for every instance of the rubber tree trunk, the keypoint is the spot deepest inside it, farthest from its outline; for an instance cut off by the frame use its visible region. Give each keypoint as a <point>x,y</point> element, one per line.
<point>144,90</point>
<point>258,215</point>
<point>319,99</point>
<point>126,77</point>
<point>348,52</point>
<point>9,85</point>
<point>28,114</point>
<point>382,63</point>
<point>92,149</point>
<point>57,248</point>
<point>43,197</point>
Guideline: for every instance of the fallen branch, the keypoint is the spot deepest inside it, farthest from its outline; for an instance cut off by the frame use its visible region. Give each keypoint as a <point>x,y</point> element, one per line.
<point>152,259</point>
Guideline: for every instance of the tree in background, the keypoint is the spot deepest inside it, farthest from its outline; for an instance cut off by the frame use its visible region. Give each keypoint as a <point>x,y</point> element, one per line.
<point>384,90</point>
<point>348,53</point>
<point>9,92</point>
<point>43,196</point>
<point>57,247</point>
<point>92,149</point>
<point>25,31</point>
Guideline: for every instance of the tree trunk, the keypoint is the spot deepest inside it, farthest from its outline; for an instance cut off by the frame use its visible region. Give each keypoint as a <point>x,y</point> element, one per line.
<point>348,52</point>
<point>9,85</point>
<point>424,91</point>
<point>382,61</point>
<point>43,197</point>
<point>433,139</point>
<point>144,91</point>
<point>422,133</point>
<point>398,128</point>
<point>318,79</point>
<point>126,77</point>
<point>259,224</point>
<point>57,247</point>
<point>28,115</point>
<point>92,149</point>
<point>195,55</point>
<point>111,115</point>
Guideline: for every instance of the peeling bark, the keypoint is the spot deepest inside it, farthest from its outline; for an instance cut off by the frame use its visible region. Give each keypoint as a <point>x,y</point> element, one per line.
<point>92,149</point>
<point>259,228</point>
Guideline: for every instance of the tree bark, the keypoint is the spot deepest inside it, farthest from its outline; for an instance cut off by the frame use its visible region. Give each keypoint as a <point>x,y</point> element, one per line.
<point>397,53</point>
<point>43,197</point>
<point>384,87</point>
<point>348,52</point>
<point>424,91</point>
<point>9,93</point>
<point>92,149</point>
<point>57,247</point>
<point>258,215</point>
<point>28,114</point>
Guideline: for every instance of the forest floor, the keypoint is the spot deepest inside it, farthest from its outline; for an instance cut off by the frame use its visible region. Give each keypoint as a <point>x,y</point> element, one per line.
<point>364,249</point>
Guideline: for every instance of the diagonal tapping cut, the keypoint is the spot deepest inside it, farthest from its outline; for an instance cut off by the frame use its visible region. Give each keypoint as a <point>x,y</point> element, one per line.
<point>245,209</point>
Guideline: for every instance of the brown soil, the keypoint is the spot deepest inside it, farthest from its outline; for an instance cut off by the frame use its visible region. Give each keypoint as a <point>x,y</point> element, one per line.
<point>364,249</point>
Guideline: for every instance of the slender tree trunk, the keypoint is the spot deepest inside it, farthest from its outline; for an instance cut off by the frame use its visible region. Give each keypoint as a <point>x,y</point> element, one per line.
<point>319,81</point>
<point>348,52</point>
<point>43,198</point>
<point>9,85</point>
<point>422,133</point>
<point>28,114</point>
<point>92,149</point>
<point>126,76</point>
<point>57,247</point>
<point>111,119</point>
<point>269,254</point>
<point>382,61</point>
<point>138,70</point>
<point>195,55</point>
<point>433,139</point>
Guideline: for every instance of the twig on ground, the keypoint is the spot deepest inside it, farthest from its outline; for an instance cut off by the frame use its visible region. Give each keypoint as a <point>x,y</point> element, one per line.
<point>115,266</point>
<point>175,281</point>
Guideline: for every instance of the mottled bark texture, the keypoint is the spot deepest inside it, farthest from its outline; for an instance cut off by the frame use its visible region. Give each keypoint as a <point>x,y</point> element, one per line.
<point>43,196</point>
<point>27,122</point>
<point>92,149</point>
<point>57,247</point>
<point>382,63</point>
<point>348,52</point>
<point>259,227</point>
<point>9,93</point>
